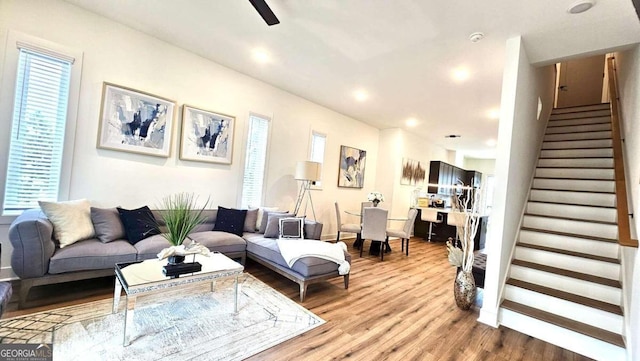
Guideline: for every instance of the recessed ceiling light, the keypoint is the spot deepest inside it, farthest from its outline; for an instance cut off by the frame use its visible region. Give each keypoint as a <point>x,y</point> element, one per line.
<point>491,142</point>
<point>475,37</point>
<point>452,136</point>
<point>411,122</point>
<point>361,95</point>
<point>580,7</point>
<point>261,56</point>
<point>460,74</point>
<point>494,113</point>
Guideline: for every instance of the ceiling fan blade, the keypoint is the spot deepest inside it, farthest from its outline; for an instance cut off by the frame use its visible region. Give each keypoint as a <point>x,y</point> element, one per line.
<point>265,11</point>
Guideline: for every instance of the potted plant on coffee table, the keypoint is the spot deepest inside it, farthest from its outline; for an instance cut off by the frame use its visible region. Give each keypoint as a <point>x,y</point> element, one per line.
<point>181,217</point>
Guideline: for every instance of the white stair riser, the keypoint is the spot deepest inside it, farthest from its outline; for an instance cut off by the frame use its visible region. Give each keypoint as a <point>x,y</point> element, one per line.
<point>582,245</point>
<point>575,185</point>
<point>575,173</point>
<point>577,153</point>
<point>578,136</point>
<point>579,128</point>
<point>576,286</point>
<point>576,163</point>
<point>595,113</point>
<point>587,199</point>
<point>563,308</point>
<point>579,121</point>
<point>582,108</point>
<point>577,264</point>
<point>572,341</point>
<point>570,211</point>
<point>608,231</point>
<point>575,144</point>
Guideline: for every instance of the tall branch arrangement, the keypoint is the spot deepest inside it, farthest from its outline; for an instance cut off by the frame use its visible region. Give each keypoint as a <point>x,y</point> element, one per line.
<point>469,206</point>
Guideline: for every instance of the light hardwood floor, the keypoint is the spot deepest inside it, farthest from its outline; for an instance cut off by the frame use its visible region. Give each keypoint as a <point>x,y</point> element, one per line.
<point>399,309</point>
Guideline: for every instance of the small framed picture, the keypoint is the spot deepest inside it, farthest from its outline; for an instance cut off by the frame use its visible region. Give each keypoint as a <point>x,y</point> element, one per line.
<point>135,121</point>
<point>206,136</point>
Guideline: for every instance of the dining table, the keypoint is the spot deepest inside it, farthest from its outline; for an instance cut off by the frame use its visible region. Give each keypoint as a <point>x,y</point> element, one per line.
<point>374,249</point>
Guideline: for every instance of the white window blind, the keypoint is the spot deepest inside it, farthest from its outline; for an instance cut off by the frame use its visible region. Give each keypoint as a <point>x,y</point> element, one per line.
<point>318,143</point>
<point>255,161</point>
<point>37,130</point>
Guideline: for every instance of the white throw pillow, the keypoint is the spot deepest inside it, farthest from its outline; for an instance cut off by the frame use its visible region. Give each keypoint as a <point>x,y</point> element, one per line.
<point>71,220</point>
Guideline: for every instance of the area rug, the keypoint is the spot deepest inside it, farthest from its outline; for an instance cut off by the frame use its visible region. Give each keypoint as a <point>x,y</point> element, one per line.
<point>185,324</point>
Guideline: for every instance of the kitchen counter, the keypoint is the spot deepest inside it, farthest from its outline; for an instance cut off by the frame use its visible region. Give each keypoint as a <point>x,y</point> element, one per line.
<point>442,231</point>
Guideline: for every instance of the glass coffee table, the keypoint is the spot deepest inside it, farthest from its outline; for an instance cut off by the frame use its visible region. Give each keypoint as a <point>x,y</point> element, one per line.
<point>144,277</point>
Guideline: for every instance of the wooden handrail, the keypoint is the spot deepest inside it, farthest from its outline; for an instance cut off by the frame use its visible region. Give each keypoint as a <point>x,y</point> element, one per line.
<point>624,232</point>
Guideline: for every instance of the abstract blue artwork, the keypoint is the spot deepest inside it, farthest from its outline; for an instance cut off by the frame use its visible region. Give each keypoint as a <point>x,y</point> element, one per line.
<point>206,136</point>
<point>352,162</point>
<point>135,121</point>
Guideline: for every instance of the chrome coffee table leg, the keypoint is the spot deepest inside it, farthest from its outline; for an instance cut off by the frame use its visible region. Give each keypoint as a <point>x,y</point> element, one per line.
<point>128,318</point>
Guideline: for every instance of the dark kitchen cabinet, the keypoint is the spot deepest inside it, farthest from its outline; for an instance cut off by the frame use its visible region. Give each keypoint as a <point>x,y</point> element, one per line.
<point>445,176</point>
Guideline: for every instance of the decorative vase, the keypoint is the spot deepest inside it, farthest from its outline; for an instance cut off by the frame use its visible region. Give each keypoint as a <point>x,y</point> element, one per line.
<point>375,202</point>
<point>464,290</point>
<point>175,259</point>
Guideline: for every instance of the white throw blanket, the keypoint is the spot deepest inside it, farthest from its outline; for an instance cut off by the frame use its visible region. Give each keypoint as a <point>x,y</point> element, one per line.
<point>294,249</point>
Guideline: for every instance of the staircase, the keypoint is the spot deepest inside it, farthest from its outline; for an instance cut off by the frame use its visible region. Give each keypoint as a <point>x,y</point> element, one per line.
<point>564,280</point>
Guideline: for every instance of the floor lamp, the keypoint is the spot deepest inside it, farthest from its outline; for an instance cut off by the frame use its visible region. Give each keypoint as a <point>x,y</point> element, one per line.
<point>307,172</point>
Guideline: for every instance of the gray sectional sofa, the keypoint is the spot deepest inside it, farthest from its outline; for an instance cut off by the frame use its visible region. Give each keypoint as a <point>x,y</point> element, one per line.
<point>38,260</point>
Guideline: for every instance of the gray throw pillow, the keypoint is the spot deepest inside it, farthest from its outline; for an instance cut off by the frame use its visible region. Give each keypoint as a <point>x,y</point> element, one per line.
<point>273,224</point>
<point>107,223</point>
<point>250,220</point>
<point>265,218</point>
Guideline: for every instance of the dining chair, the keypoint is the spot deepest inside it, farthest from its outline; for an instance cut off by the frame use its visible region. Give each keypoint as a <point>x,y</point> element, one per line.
<point>405,232</point>
<point>374,227</point>
<point>430,215</point>
<point>345,227</point>
<point>457,220</point>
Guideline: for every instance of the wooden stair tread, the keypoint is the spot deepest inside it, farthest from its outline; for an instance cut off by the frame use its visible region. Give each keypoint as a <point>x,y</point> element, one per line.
<point>588,179</point>
<point>576,140</point>
<point>571,219</point>
<point>573,235</point>
<point>570,190</point>
<point>579,327</point>
<point>602,105</point>
<point>581,115</point>
<point>571,297</point>
<point>574,125</point>
<point>573,168</point>
<point>567,273</point>
<point>580,132</point>
<point>573,204</point>
<point>569,253</point>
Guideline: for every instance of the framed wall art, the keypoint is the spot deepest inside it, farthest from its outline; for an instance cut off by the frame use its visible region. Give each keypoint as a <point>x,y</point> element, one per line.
<point>135,121</point>
<point>352,163</point>
<point>206,136</point>
<point>413,172</point>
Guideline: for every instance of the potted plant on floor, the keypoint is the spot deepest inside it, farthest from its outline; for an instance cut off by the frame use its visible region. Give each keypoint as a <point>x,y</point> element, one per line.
<point>461,253</point>
<point>181,217</point>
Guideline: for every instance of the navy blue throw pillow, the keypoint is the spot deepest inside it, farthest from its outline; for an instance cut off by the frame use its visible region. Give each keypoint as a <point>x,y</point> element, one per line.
<point>138,223</point>
<point>230,220</point>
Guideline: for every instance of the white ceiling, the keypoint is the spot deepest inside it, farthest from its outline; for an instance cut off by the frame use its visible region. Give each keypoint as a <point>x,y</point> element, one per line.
<point>401,52</point>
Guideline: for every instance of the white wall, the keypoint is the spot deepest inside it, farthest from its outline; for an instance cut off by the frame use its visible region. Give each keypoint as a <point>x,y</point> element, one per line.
<point>628,74</point>
<point>519,138</point>
<point>121,55</point>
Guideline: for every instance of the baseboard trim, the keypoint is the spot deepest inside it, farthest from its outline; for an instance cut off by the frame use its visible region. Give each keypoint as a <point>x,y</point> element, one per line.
<point>489,317</point>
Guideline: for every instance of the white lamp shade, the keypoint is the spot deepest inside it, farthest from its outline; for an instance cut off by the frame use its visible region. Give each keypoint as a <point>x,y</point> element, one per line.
<point>308,170</point>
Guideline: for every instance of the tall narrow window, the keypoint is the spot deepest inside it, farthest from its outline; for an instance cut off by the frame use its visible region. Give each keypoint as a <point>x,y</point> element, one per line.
<point>316,154</point>
<point>255,161</point>
<point>37,129</point>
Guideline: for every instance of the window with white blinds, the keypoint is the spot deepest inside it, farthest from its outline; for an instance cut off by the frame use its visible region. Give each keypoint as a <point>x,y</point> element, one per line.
<point>37,130</point>
<point>255,161</point>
